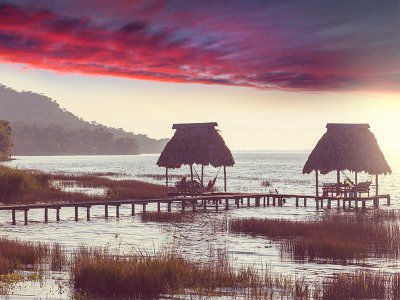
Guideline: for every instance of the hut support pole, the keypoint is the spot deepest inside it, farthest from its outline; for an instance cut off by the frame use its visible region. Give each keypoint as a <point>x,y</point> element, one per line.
<point>166,179</point>
<point>355,189</point>
<point>337,182</point>
<point>202,175</point>
<point>191,172</point>
<point>376,185</point>
<point>316,189</point>
<point>224,179</point>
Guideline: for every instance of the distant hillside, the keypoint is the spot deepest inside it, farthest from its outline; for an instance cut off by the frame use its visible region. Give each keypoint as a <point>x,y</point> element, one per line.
<point>41,127</point>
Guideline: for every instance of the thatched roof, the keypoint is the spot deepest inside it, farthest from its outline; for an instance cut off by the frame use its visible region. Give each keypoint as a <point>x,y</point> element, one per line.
<point>350,147</point>
<point>196,143</point>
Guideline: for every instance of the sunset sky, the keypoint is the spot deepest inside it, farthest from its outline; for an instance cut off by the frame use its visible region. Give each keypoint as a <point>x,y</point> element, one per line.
<point>271,73</point>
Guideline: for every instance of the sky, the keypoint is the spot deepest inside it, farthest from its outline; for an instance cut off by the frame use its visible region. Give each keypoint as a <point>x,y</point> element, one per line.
<point>271,73</point>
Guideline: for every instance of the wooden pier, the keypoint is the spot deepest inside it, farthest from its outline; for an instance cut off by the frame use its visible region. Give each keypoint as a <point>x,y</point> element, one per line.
<point>216,202</point>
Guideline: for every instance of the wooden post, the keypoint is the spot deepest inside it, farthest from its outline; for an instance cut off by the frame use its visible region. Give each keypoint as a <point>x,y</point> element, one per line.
<point>191,172</point>
<point>305,202</point>
<point>88,213</point>
<point>297,201</point>
<point>13,217</point>
<point>205,204</point>
<point>106,210</point>
<point>237,203</point>
<point>166,179</point>
<point>76,213</point>
<point>224,179</point>
<point>46,215</point>
<point>144,207</point>
<point>337,182</point>
<point>58,214</point>
<point>133,209</point>
<point>26,216</point>
<point>248,201</point>
<point>216,205</point>
<point>316,189</point>
<point>226,204</point>
<point>202,175</point>
<point>194,203</point>
<point>267,200</point>
<point>356,190</point>
<point>316,184</point>
<point>117,210</point>
<point>158,206</point>
<point>376,185</point>
<point>169,206</point>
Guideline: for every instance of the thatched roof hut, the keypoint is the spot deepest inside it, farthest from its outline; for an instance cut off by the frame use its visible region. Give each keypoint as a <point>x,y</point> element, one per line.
<point>196,143</point>
<point>350,147</point>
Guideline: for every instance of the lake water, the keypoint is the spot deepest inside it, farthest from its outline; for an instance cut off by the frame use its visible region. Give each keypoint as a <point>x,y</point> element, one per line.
<point>207,234</point>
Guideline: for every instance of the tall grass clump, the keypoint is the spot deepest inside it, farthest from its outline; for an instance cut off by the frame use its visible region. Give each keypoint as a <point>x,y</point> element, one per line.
<point>17,254</point>
<point>334,237</point>
<point>361,285</point>
<point>16,181</point>
<point>97,273</point>
<point>116,189</point>
<point>167,217</point>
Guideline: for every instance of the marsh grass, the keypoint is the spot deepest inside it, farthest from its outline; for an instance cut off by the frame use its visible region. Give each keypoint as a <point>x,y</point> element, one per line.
<point>167,217</point>
<point>97,273</point>
<point>116,189</point>
<point>17,254</point>
<point>27,186</point>
<point>361,285</point>
<point>58,258</point>
<point>339,238</point>
<point>265,183</point>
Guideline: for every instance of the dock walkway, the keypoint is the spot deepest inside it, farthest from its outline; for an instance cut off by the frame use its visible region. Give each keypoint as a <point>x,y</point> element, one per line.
<point>214,201</point>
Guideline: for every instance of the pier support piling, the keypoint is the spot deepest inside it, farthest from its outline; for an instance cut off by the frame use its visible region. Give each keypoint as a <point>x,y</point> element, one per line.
<point>13,217</point>
<point>76,213</point>
<point>133,209</point>
<point>46,215</point>
<point>106,211</point>
<point>117,210</point>
<point>88,213</point>
<point>58,214</point>
<point>26,216</point>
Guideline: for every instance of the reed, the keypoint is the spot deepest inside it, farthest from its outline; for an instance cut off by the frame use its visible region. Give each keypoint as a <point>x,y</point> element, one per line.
<point>16,181</point>
<point>16,254</point>
<point>19,186</point>
<point>334,237</point>
<point>265,183</point>
<point>97,273</point>
<point>58,258</point>
<point>361,285</point>
<point>116,189</point>
<point>167,217</point>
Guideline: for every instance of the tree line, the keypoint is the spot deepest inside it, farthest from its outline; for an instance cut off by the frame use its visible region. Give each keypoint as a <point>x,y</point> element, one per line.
<point>32,139</point>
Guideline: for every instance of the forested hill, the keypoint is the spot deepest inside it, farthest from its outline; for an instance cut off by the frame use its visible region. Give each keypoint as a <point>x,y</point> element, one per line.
<point>41,127</point>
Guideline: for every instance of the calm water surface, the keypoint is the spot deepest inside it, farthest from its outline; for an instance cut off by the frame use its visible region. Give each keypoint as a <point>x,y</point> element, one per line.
<point>197,240</point>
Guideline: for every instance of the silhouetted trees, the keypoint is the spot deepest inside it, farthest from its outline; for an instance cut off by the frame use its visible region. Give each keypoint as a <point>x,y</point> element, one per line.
<point>56,140</point>
<point>5,140</point>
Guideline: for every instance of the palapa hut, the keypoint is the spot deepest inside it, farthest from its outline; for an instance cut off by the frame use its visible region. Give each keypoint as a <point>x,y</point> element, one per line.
<point>196,143</point>
<point>351,147</point>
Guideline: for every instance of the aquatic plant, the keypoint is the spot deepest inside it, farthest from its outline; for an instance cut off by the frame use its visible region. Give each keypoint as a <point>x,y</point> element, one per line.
<point>333,237</point>
<point>15,254</point>
<point>167,217</point>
